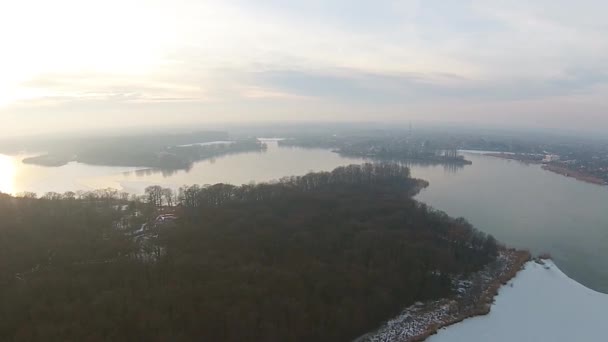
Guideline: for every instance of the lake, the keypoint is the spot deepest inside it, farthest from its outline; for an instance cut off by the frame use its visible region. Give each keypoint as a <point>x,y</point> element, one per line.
<point>521,205</point>
<point>527,207</point>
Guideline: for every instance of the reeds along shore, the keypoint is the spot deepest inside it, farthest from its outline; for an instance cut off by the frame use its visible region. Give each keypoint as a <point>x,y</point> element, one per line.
<point>519,259</point>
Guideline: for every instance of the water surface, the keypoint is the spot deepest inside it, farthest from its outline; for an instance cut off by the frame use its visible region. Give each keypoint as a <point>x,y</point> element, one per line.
<point>527,207</point>
<point>17,177</point>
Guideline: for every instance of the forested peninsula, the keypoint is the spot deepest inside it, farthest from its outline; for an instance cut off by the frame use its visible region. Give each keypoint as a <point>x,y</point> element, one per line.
<point>328,256</point>
<point>166,152</point>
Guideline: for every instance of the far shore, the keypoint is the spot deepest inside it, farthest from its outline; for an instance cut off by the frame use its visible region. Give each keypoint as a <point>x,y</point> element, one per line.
<point>561,170</point>
<point>513,156</point>
<point>574,174</point>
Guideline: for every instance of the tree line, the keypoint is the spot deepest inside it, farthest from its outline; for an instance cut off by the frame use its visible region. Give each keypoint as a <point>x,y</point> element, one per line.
<point>378,175</point>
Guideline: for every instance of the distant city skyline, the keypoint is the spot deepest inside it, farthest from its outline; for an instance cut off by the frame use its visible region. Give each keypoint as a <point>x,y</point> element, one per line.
<point>73,65</point>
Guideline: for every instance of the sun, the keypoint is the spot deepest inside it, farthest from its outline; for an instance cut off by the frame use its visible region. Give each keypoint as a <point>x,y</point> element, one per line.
<point>7,174</point>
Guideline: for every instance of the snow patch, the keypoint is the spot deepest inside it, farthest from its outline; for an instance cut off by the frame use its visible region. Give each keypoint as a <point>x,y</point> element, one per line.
<point>540,304</point>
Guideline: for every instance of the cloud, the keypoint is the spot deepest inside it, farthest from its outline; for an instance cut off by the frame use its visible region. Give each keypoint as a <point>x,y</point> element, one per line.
<point>311,59</point>
<point>357,87</point>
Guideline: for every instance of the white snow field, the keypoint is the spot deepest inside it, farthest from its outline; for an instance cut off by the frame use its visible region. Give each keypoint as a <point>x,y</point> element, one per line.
<point>540,304</point>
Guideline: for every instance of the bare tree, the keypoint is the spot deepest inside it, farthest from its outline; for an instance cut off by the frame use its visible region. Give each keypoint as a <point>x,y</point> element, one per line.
<point>155,195</point>
<point>168,196</point>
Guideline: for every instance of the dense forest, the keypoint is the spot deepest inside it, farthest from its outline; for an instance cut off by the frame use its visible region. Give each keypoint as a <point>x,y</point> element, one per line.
<point>323,257</point>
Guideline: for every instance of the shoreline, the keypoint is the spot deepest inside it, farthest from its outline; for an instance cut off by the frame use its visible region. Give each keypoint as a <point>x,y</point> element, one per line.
<point>543,303</point>
<point>560,170</point>
<point>512,156</point>
<point>422,320</point>
<point>431,161</point>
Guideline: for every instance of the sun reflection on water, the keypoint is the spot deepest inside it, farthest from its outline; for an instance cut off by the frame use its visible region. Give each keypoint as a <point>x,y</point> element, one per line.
<point>7,174</point>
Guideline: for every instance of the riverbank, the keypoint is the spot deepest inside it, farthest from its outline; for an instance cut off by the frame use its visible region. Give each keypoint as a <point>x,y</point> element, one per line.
<point>541,304</point>
<point>475,297</point>
<point>527,159</point>
<point>574,174</point>
<point>552,167</point>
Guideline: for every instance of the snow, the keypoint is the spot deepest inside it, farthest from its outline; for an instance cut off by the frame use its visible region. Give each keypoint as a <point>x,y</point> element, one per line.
<point>540,304</point>
<point>420,319</point>
<point>414,321</point>
<point>140,230</point>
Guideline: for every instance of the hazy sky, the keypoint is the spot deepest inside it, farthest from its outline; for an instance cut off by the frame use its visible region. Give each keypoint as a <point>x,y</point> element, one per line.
<point>78,64</point>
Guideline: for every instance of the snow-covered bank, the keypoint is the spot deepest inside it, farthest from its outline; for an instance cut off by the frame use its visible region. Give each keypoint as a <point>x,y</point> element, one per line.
<point>540,304</point>
<point>475,295</point>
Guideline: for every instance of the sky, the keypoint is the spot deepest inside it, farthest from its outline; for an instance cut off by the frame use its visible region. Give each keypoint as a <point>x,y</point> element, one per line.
<point>78,65</point>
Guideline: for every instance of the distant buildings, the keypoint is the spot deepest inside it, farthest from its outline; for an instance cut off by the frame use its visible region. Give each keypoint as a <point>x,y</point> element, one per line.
<point>550,158</point>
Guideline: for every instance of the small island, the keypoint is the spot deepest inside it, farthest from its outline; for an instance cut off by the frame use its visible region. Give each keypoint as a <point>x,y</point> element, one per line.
<point>50,160</point>
<point>383,148</point>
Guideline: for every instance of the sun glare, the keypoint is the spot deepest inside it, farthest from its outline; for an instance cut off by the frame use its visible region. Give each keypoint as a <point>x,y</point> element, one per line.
<point>7,174</point>
<point>109,37</point>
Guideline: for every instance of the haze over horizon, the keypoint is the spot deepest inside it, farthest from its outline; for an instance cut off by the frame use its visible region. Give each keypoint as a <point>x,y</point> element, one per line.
<point>71,65</point>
